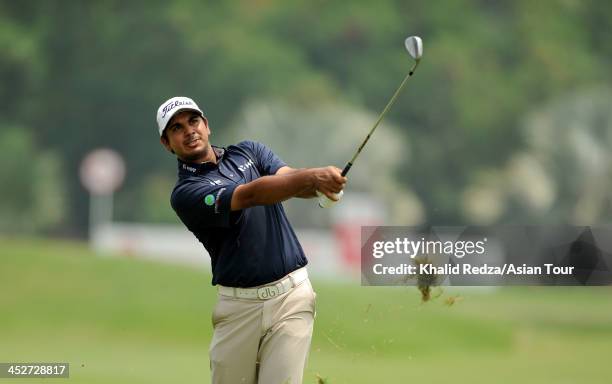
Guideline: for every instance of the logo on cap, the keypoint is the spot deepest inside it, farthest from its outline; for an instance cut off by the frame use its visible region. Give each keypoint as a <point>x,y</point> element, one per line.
<point>170,106</point>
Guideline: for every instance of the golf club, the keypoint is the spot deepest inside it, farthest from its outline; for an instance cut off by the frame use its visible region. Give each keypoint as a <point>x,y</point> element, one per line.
<point>414,46</point>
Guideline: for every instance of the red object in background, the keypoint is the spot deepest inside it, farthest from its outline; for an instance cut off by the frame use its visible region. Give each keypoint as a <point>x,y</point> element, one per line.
<point>348,236</point>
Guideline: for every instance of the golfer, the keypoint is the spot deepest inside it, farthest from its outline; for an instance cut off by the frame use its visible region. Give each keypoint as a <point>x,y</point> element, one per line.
<point>230,198</point>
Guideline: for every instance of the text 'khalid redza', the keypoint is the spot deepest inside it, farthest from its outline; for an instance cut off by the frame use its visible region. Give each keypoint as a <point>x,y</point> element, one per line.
<point>487,256</point>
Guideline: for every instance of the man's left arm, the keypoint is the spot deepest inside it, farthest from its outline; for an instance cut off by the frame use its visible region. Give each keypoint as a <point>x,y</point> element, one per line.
<point>270,164</point>
<point>288,170</point>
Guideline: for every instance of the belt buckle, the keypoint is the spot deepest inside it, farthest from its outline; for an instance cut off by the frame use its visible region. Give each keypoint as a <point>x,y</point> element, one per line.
<point>267,292</point>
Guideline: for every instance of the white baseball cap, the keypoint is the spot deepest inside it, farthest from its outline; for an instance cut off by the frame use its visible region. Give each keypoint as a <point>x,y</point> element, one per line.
<point>173,106</point>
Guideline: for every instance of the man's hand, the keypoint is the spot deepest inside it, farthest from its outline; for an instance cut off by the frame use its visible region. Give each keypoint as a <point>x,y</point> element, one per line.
<point>329,181</point>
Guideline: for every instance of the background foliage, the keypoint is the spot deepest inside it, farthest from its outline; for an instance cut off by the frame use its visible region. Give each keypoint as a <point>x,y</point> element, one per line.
<point>80,75</point>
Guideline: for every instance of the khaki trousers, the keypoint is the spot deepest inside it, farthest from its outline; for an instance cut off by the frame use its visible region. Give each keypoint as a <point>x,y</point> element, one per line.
<point>262,341</point>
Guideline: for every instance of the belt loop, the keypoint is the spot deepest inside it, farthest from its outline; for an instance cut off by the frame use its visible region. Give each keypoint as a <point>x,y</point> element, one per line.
<point>293,284</point>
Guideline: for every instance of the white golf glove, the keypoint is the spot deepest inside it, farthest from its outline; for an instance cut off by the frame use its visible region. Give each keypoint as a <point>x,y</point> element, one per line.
<point>325,202</point>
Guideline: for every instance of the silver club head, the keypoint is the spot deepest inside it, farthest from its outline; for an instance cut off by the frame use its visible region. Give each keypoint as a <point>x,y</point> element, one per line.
<point>414,45</point>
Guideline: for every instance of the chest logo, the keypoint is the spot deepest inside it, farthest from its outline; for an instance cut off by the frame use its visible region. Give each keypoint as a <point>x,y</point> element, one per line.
<point>246,166</point>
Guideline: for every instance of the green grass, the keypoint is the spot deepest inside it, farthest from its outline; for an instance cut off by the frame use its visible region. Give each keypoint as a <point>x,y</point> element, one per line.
<point>118,320</point>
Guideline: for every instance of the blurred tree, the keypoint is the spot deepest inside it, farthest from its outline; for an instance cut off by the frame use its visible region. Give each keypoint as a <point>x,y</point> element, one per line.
<point>32,185</point>
<point>80,75</point>
<point>578,159</point>
<point>155,197</point>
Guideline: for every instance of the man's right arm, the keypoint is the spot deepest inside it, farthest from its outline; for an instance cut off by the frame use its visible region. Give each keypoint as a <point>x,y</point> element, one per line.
<point>277,188</point>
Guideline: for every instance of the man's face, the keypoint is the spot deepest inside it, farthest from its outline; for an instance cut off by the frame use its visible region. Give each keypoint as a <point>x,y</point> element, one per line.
<point>187,136</point>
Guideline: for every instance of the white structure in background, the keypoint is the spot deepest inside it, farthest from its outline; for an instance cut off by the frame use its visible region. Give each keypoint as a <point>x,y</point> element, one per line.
<point>102,172</point>
<point>175,244</point>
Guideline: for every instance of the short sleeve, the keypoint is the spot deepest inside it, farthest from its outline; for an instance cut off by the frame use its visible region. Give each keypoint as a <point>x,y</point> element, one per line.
<point>203,205</point>
<point>267,162</point>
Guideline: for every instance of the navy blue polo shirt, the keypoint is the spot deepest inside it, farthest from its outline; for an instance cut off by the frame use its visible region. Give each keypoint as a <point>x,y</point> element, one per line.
<point>250,247</point>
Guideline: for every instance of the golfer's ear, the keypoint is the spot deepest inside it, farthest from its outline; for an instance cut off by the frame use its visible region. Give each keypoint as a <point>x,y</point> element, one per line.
<point>164,141</point>
<point>206,124</point>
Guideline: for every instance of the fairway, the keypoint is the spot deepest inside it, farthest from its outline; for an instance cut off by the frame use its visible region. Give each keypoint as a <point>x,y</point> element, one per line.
<point>119,320</point>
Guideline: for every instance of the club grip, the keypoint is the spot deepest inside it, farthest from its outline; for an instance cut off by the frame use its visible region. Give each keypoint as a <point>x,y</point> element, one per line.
<point>346,169</point>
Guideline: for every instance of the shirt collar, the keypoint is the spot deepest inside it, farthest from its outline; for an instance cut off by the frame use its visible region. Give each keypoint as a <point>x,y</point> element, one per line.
<point>186,168</point>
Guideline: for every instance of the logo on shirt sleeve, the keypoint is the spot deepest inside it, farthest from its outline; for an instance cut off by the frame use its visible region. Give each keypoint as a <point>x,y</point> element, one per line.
<point>209,200</point>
